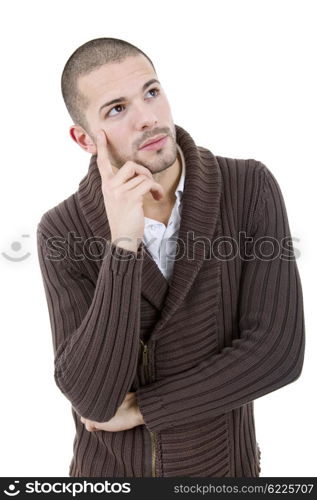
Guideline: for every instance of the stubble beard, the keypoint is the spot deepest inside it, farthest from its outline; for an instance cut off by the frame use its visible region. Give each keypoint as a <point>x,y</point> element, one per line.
<point>160,160</point>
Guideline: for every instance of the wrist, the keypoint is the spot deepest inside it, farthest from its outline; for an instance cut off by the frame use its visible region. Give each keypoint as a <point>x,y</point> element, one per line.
<point>140,419</point>
<point>131,244</point>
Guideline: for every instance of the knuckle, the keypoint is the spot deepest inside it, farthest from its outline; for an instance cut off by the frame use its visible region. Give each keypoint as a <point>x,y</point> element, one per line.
<point>130,164</point>
<point>147,172</point>
<point>143,184</point>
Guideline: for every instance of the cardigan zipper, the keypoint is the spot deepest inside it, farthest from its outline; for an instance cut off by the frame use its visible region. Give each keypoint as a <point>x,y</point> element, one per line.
<point>145,363</point>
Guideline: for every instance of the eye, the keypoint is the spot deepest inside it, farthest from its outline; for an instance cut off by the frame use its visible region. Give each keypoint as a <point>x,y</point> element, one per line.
<point>155,90</point>
<point>115,107</point>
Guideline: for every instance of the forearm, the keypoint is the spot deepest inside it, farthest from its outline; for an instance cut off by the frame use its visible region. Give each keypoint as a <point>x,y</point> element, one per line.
<point>249,369</point>
<point>95,362</point>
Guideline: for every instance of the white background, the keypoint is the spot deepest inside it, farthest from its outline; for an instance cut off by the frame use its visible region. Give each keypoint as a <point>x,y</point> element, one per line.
<point>241,79</point>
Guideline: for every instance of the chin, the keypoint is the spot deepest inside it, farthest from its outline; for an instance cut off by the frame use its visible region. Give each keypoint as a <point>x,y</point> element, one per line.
<point>160,163</point>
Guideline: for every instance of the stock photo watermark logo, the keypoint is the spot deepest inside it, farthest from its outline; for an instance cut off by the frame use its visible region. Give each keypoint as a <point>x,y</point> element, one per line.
<point>15,247</point>
<point>64,487</point>
<point>224,248</point>
<point>12,491</point>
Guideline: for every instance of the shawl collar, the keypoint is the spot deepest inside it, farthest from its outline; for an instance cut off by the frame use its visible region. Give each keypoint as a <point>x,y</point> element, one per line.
<point>200,212</point>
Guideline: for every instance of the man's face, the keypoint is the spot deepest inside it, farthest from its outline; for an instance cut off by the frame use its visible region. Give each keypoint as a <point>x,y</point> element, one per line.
<point>143,113</point>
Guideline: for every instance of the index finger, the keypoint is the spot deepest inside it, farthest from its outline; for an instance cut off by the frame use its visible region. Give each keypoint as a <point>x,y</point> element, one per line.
<point>103,161</point>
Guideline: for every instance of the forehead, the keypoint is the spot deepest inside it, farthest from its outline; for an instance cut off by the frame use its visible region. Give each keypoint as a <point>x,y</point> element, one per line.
<point>115,79</point>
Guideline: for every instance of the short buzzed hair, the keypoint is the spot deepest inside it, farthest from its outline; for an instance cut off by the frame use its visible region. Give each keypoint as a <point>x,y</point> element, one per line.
<point>88,57</point>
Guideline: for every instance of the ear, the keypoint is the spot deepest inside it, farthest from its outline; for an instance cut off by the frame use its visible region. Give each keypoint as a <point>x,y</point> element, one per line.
<point>84,140</point>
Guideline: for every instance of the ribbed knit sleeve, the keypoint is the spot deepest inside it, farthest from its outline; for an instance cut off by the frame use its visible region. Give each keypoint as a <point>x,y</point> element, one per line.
<point>95,328</point>
<point>269,350</point>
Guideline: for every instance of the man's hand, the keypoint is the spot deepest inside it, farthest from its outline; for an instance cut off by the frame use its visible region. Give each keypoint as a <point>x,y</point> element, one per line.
<point>128,416</point>
<point>123,195</point>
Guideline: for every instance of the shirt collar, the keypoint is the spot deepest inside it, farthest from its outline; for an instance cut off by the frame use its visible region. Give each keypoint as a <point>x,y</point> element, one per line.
<point>180,187</point>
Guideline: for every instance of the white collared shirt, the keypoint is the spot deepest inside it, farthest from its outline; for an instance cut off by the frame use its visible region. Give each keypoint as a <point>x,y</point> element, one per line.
<point>161,240</point>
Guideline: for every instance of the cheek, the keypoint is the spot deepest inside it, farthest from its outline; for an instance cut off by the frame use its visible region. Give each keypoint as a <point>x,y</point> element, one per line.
<point>122,148</point>
<point>119,147</point>
<point>123,142</point>
<point>116,133</point>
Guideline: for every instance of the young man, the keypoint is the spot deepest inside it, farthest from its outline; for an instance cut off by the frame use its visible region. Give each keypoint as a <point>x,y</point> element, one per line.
<point>172,286</point>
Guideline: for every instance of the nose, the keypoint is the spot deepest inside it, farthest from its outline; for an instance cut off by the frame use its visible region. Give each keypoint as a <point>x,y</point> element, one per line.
<point>144,116</point>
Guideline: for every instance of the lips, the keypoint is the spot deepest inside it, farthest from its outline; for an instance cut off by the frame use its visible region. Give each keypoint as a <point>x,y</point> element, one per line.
<point>153,141</point>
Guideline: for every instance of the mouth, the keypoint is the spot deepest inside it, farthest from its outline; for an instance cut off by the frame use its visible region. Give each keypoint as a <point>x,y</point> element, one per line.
<point>155,144</point>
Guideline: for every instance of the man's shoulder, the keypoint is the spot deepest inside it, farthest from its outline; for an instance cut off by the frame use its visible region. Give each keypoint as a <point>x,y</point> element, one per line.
<point>237,171</point>
<point>230,163</point>
<point>59,219</point>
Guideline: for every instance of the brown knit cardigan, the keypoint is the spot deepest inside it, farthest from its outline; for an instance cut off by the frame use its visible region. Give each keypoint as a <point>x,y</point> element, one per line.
<point>228,329</point>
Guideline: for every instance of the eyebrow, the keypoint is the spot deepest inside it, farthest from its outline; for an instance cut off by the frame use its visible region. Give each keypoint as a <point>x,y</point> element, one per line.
<point>121,99</point>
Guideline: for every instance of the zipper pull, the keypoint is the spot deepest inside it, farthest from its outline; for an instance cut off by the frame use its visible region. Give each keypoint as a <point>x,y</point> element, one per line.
<point>144,353</point>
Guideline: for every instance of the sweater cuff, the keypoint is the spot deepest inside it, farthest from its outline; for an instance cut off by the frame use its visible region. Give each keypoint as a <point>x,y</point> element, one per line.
<point>120,260</point>
<point>152,410</point>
